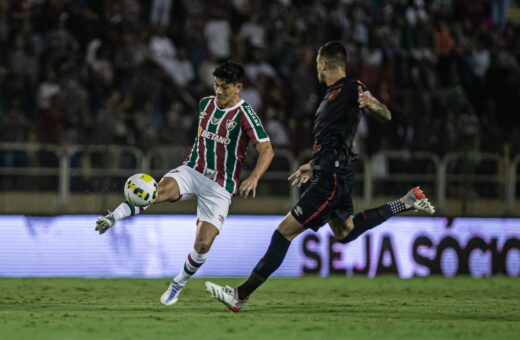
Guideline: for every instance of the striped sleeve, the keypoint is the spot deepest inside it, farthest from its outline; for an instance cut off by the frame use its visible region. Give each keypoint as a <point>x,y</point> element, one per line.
<point>252,125</point>
<point>203,103</point>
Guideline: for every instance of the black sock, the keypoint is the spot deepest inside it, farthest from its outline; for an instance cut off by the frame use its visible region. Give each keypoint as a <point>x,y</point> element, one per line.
<point>369,219</point>
<point>272,259</point>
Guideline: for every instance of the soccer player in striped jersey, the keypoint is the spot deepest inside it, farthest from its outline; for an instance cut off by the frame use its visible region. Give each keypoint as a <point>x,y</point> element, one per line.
<point>211,171</point>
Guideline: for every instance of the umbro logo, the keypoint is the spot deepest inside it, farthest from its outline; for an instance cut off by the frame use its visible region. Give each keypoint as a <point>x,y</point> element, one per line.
<point>298,210</point>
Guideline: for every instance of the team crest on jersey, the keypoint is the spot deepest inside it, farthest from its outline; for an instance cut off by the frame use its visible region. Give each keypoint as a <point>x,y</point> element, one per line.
<point>230,124</point>
<point>333,95</point>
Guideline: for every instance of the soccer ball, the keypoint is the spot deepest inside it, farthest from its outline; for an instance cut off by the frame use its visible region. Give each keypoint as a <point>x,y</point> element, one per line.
<point>141,190</point>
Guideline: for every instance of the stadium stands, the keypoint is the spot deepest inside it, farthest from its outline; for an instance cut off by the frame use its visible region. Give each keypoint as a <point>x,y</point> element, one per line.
<point>79,74</point>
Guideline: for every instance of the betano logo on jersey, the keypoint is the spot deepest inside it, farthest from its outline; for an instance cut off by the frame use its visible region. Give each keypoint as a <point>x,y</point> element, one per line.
<point>213,136</point>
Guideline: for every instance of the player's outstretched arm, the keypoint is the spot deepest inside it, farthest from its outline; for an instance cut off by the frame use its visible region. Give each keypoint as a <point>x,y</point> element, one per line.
<point>265,157</point>
<point>366,99</point>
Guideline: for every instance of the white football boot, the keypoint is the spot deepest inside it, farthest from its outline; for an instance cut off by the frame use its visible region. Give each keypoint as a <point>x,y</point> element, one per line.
<point>103,223</point>
<point>227,295</point>
<point>171,295</point>
<point>416,199</point>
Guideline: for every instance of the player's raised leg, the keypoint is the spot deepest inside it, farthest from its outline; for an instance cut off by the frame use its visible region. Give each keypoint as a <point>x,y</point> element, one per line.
<point>235,298</point>
<point>354,226</point>
<point>206,233</point>
<point>168,190</point>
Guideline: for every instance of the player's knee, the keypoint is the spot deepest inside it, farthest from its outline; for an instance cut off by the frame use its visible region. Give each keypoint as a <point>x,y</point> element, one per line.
<point>290,227</point>
<point>168,190</point>
<point>338,228</point>
<point>202,246</point>
<point>339,235</point>
<point>285,233</point>
<point>343,235</point>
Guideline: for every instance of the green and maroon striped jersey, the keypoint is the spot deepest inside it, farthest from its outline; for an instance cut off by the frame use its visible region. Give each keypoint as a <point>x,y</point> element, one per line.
<point>222,139</point>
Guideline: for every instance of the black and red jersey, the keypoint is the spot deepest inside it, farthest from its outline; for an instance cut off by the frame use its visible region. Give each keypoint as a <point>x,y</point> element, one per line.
<point>335,125</point>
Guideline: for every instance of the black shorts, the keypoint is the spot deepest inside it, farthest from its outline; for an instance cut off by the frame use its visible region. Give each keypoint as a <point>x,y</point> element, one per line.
<point>329,195</point>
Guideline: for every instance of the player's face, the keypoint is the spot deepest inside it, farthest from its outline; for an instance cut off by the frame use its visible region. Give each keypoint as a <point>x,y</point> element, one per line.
<point>227,93</point>
<point>320,68</point>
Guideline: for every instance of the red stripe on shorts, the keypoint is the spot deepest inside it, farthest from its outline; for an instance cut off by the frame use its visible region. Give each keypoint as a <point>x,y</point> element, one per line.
<point>320,209</point>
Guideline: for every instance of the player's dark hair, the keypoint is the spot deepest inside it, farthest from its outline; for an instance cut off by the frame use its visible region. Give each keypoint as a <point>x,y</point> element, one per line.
<point>230,72</point>
<point>334,53</point>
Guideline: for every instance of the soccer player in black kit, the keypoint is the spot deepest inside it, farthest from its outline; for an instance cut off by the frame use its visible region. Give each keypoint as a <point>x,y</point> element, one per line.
<point>328,198</point>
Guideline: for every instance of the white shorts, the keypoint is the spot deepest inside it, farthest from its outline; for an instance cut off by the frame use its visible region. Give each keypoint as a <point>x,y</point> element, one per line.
<point>212,200</point>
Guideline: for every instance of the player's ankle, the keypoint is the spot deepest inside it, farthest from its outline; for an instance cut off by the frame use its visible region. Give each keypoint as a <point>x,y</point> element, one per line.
<point>408,206</point>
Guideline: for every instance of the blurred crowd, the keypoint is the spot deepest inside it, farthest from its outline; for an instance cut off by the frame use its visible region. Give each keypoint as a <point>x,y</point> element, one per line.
<point>131,72</point>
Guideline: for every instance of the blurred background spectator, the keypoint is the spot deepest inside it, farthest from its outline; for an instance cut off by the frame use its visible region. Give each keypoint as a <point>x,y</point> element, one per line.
<point>131,72</point>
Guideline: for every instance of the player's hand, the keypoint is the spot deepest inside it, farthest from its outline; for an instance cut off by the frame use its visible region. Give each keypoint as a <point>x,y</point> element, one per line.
<point>365,98</point>
<point>302,175</point>
<point>248,186</point>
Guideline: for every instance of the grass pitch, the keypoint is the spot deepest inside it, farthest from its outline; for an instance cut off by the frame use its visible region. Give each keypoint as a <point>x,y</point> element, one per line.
<point>296,308</point>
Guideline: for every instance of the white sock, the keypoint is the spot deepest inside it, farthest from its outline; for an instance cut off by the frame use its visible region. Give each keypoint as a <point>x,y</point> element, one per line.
<point>192,264</point>
<point>126,209</point>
